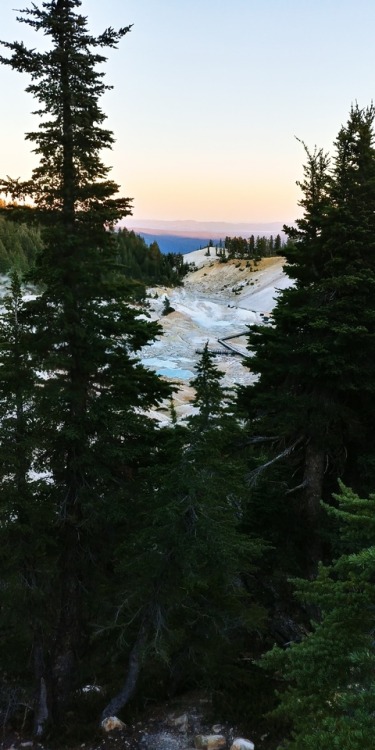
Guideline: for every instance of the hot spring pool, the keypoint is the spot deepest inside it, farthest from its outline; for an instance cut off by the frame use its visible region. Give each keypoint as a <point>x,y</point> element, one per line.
<point>177,372</point>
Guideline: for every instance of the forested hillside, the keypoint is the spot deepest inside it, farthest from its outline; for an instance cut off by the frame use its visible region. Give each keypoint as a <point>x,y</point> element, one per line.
<point>146,263</point>
<point>20,243</point>
<point>140,562</point>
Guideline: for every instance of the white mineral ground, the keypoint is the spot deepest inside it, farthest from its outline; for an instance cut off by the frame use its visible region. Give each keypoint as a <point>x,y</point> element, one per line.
<point>216,301</point>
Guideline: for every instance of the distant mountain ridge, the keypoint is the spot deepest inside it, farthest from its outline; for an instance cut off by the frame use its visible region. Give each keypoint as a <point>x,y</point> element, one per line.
<point>205,229</point>
<point>175,243</point>
<point>185,236</point>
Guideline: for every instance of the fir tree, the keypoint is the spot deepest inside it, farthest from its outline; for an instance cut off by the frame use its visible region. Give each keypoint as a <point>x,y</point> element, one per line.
<point>90,431</point>
<point>312,406</point>
<point>167,307</point>
<point>330,695</point>
<point>189,576</point>
<point>210,395</point>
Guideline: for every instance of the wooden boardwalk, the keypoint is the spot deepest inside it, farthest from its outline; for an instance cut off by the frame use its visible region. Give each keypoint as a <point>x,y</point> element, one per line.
<point>228,350</point>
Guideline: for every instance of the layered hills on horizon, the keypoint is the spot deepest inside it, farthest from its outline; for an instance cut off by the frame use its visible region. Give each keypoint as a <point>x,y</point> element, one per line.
<point>208,229</point>
<point>185,236</point>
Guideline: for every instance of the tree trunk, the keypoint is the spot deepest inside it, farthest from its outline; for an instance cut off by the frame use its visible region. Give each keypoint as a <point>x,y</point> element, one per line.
<point>134,664</point>
<point>313,487</point>
<point>68,625</point>
<point>41,703</point>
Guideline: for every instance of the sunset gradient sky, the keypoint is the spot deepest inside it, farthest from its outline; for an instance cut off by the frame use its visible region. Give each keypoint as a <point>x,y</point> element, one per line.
<point>208,96</point>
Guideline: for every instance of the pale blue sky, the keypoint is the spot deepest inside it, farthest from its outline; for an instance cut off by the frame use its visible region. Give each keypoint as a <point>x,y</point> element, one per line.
<point>208,95</point>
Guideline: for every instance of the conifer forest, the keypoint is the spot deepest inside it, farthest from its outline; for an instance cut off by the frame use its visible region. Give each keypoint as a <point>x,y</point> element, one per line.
<point>232,552</point>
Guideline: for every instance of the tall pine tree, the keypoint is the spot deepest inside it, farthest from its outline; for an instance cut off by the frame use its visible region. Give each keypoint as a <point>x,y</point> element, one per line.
<point>311,409</point>
<point>90,433</point>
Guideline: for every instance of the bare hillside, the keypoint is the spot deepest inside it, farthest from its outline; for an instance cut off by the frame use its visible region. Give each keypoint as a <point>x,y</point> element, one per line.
<point>217,301</point>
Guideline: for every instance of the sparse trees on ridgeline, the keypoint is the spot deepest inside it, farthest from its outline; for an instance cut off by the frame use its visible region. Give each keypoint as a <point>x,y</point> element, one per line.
<point>253,248</point>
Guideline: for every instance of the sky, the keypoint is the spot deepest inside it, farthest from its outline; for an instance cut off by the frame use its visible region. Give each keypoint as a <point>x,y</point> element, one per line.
<point>209,97</point>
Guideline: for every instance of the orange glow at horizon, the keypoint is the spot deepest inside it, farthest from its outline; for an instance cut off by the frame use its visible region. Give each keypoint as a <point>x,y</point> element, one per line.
<point>212,200</point>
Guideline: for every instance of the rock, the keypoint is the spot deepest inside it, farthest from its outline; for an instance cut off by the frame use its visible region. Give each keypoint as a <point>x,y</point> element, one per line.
<point>217,728</point>
<point>241,744</point>
<point>112,723</point>
<point>210,741</point>
<point>180,722</point>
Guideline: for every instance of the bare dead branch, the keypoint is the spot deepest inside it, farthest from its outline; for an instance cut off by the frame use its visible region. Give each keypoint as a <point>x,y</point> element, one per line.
<point>254,475</point>
<point>298,487</point>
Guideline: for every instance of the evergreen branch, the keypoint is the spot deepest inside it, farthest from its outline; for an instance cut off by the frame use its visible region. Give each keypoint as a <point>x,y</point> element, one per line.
<point>16,188</point>
<point>110,37</point>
